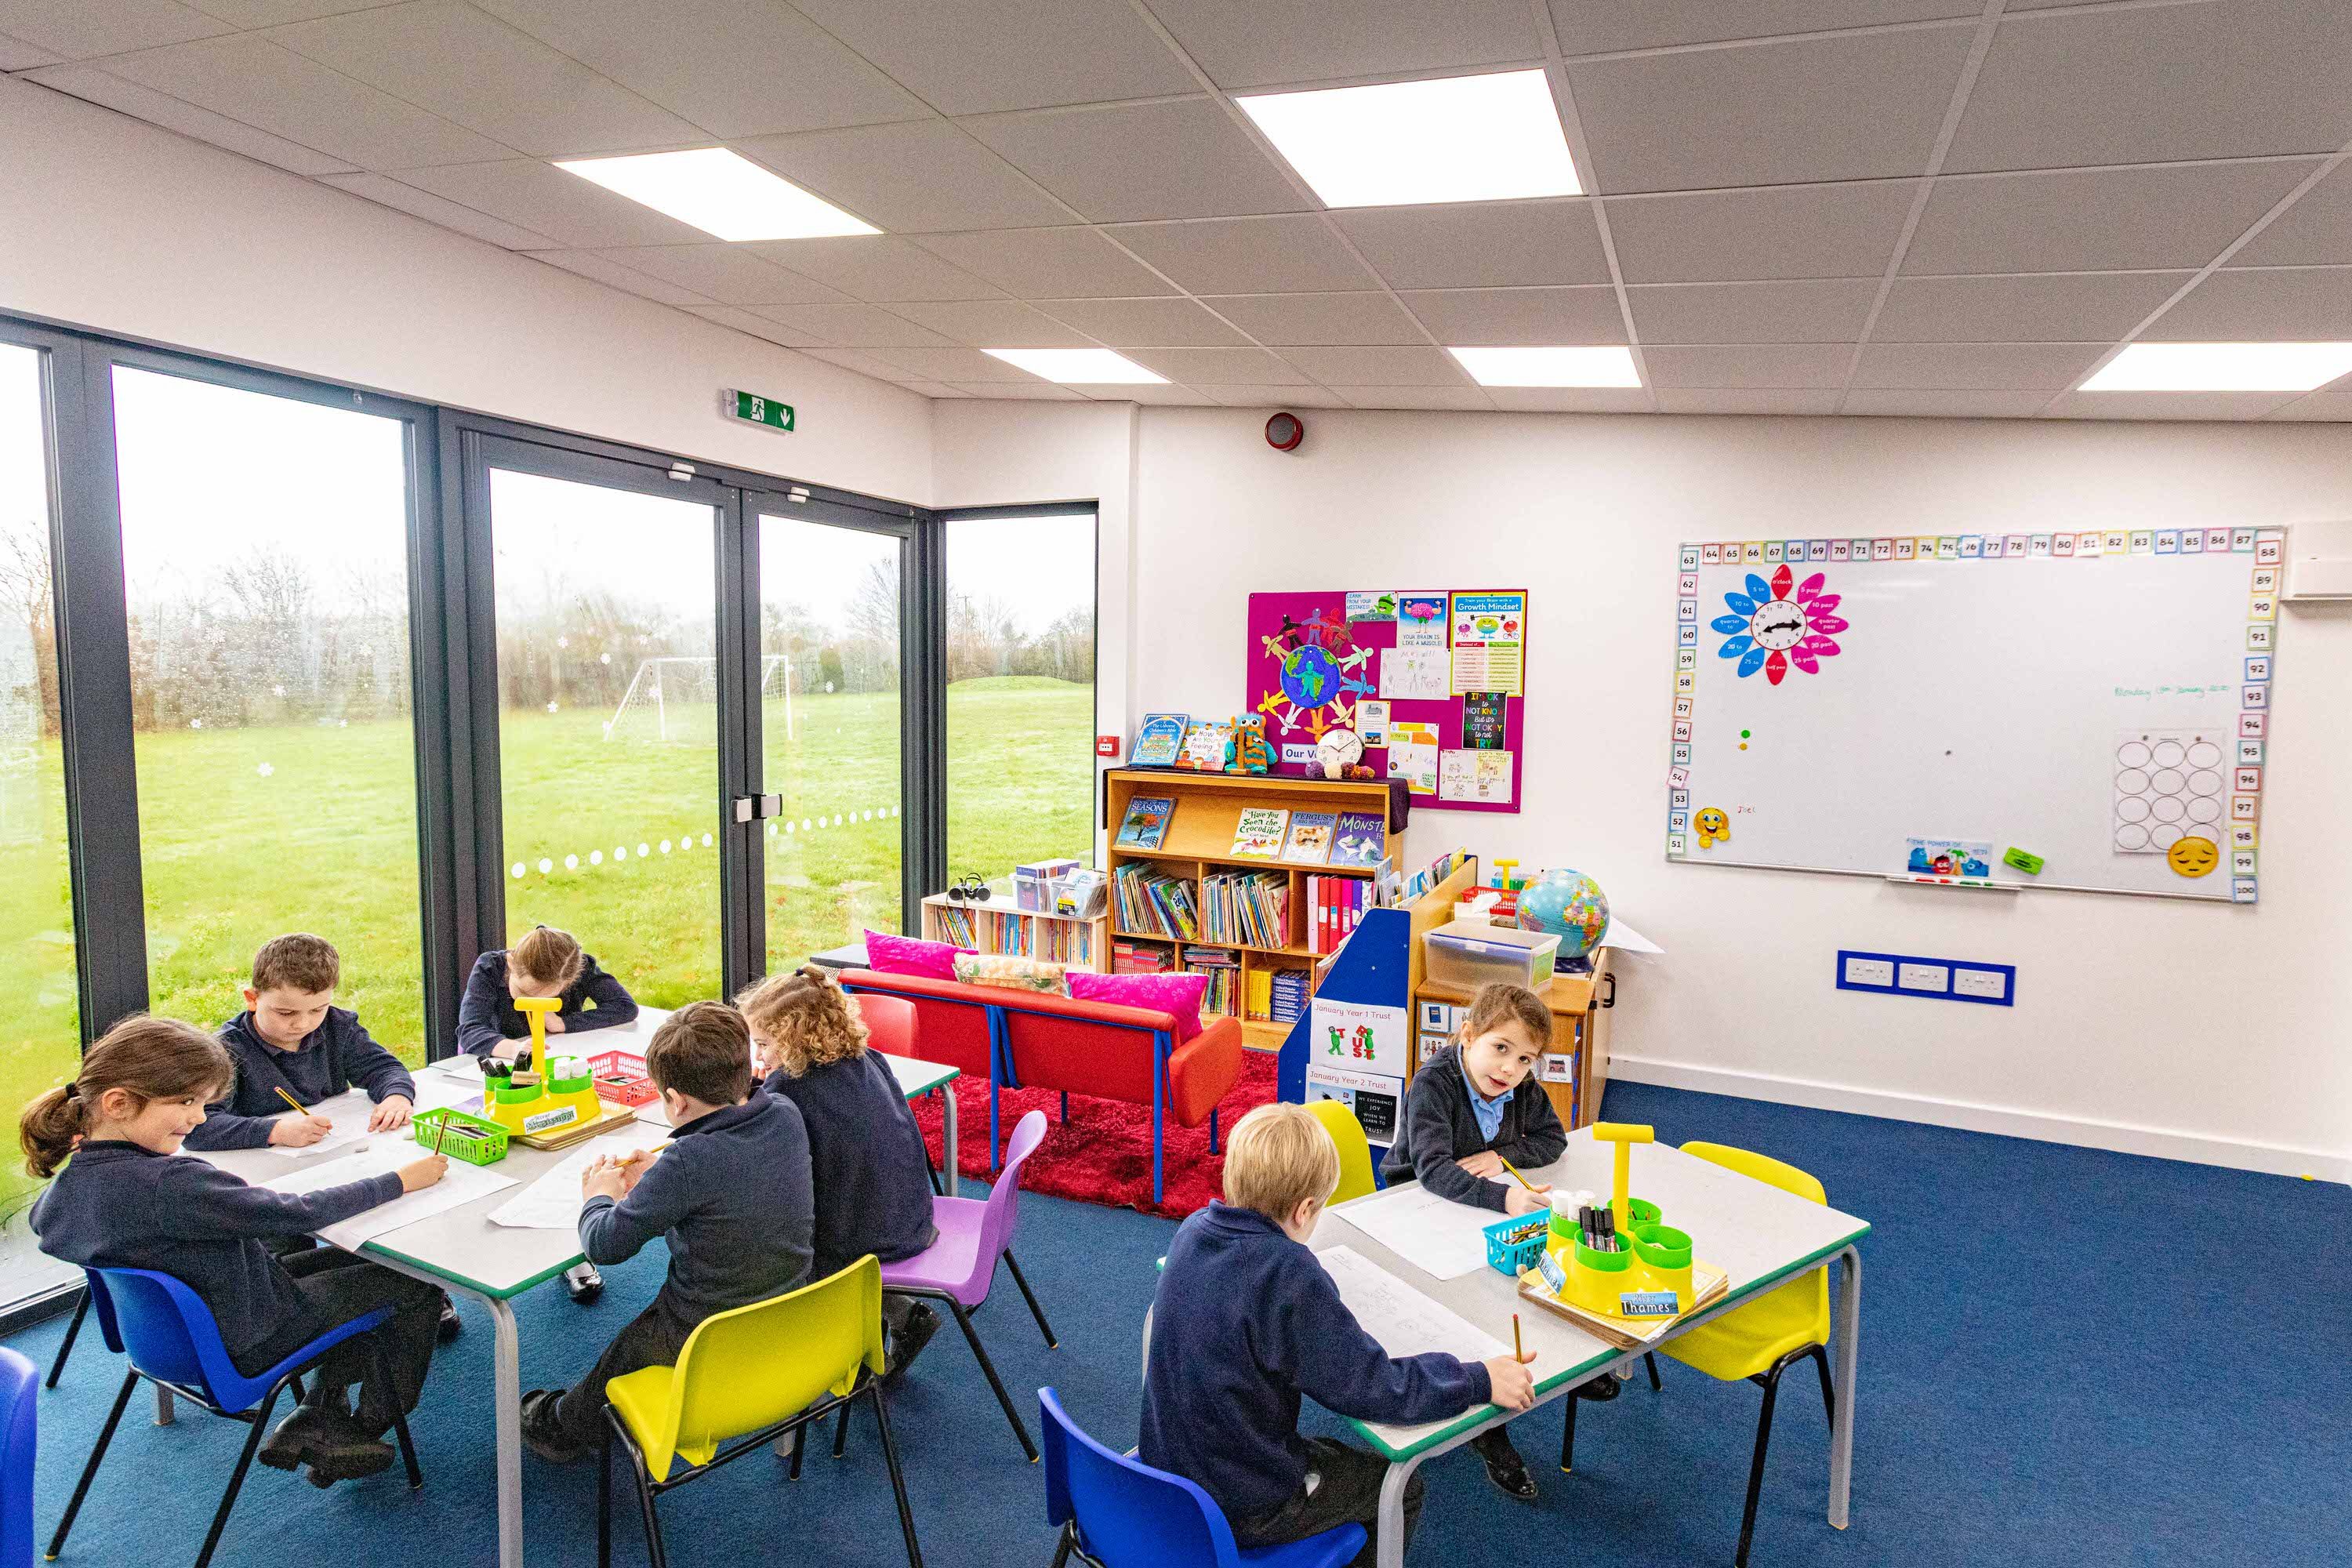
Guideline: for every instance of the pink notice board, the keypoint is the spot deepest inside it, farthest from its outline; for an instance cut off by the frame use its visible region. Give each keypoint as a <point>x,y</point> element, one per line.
<point>1310,666</point>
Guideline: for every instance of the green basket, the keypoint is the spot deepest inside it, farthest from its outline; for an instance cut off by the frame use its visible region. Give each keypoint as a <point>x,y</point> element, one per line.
<point>471,1138</point>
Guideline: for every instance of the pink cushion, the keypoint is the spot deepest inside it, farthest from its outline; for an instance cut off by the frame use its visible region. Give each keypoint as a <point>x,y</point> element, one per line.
<point>1175,993</point>
<point>887,955</point>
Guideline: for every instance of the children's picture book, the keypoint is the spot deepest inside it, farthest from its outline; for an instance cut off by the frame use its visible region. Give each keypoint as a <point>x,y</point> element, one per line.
<point>1310,837</point>
<point>1258,835</point>
<point>1358,840</point>
<point>1158,741</point>
<point>1206,743</point>
<point>1145,826</point>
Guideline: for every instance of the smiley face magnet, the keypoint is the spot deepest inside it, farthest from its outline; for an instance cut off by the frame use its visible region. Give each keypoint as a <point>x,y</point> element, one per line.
<point>2193,856</point>
<point>1714,826</point>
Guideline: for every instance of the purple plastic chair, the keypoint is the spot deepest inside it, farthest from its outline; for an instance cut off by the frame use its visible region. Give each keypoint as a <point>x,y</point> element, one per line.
<point>959,1268</point>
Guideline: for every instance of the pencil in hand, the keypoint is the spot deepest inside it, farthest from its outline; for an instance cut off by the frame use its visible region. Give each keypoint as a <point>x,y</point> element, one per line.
<point>1518,1351</point>
<point>299,1109</point>
<point>1515,1174</point>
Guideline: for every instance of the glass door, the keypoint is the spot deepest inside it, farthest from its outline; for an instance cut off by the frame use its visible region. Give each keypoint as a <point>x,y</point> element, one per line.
<point>609,722</point>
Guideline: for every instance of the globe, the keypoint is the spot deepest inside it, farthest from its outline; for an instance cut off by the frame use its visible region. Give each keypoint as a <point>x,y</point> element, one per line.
<point>1308,675</point>
<point>1569,905</point>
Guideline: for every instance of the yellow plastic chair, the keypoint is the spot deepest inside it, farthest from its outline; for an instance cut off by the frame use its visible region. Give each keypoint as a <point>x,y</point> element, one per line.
<point>1771,1333</point>
<point>1355,1149</point>
<point>745,1377</point>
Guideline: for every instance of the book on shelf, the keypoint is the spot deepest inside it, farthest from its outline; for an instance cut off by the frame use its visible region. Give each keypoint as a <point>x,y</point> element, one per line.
<point>1033,884</point>
<point>1309,843</point>
<point>1139,958</point>
<point>1336,905</point>
<point>1153,903</point>
<point>1079,895</point>
<point>955,926</point>
<point>1287,995</point>
<point>1223,968</point>
<point>1258,835</point>
<point>1359,839</point>
<point>1145,825</point>
<point>1248,907</point>
<point>1257,996</point>
<point>1070,942</point>
<point>1158,740</point>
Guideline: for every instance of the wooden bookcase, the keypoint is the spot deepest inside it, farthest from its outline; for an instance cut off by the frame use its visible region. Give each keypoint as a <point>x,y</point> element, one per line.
<point>1001,926</point>
<point>1200,841</point>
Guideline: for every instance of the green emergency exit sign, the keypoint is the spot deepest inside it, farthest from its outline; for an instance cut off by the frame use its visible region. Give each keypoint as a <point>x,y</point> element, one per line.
<point>758,410</point>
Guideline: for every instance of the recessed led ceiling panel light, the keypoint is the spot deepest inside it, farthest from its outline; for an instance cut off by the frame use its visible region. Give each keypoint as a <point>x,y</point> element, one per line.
<point>719,192</point>
<point>1080,367</point>
<point>1602,366</point>
<point>1455,139</point>
<point>2223,367</point>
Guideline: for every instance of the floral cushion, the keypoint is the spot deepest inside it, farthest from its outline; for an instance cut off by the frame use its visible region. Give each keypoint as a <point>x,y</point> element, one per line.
<point>1177,993</point>
<point>1013,973</point>
<point>887,955</point>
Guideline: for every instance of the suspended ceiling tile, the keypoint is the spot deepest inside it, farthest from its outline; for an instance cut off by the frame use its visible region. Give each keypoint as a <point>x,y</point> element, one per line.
<point>856,327</point>
<point>2156,83</point>
<point>1976,367</point>
<point>1745,400</point>
<point>1283,321</point>
<point>1246,43</point>
<point>1174,395</point>
<point>1829,310</point>
<point>1769,366</point>
<point>276,13</point>
<point>1170,322</point>
<point>1770,232</point>
<point>1570,399</point>
<point>1841,107</point>
<point>1899,403</point>
<point>1379,366</point>
<point>1490,316</point>
<point>1120,162</point>
<point>1288,255</point>
<point>1593,27</point>
<point>994,324</point>
<point>469,67</point>
<point>976,57</point>
<point>85,29</point>
<point>734,69</point>
<point>936,390</point>
<point>2295,304</point>
<point>1406,398</point>
<point>2229,405</point>
<point>1048,263</point>
<point>613,274</point>
<point>2328,404</point>
<point>391,193</point>
<point>1480,245</point>
<point>862,363</point>
<point>878,268</point>
<point>16,54</point>
<point>1221,367</point>
<point>1272,398</point>
<point>2051,309</point>
<point>1027,390</point>
<point>96,86</point>
<point>2316,231</point>
<point>726,273</point>
<point>544,199</point>
<point>924,177</point>
<point>2095,220</point>
<point>251,80</point>
<point>959,367</point>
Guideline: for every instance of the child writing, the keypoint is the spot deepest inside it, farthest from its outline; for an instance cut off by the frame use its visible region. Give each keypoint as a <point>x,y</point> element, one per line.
<point>1248,1321</point>
<point>1474,1105</point>
<point>729,1195</point>
<point>292,1036</point>
<point>127,1198</point>
<point>873,1181</point>
<point>545,962</point>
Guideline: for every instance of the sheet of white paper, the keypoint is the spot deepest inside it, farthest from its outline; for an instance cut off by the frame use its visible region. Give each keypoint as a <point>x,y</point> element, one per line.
<point>1404,1322</point>
<point>552,1202</point>
<point>1443,1238</point>
<point>461,1185</point>
<point>439,1090</point>
<point>1626,939</point>
<point>1409,674</point>
<point>349,1112</point>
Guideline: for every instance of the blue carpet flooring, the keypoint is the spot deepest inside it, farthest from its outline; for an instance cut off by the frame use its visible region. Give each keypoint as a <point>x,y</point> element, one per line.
<point>2067,1357</point>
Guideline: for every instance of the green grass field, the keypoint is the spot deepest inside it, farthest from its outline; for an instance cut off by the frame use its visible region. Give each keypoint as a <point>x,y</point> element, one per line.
<point>326,841</point>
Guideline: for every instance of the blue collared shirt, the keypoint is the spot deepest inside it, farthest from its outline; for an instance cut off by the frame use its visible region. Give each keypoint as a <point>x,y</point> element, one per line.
<point>1489,1113</point>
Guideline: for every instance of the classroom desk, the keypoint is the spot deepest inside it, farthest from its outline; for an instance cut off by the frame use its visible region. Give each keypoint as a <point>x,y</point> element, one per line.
<point>1758,1234</point>
<point>461,1250</point>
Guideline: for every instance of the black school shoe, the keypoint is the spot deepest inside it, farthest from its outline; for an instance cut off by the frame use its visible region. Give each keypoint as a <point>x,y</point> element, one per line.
<point>450,1322</point>
<point>583,1283</point>
<point>330,1442</point>
<point>908,1343</point>
<point>1509,1472</point>
<point>1600,1390</point>
<point>539,1433</point>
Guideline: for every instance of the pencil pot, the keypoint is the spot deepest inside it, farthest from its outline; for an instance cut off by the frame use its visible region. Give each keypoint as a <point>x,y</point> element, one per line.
<point>1596,1280</point>
<point>468,1138</point>
<point>1663,1256</point>
<point>1513,1245</point>
<point>1639,1213</point>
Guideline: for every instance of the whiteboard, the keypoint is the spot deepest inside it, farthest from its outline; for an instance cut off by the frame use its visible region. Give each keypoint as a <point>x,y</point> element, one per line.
<point>1915,708</point>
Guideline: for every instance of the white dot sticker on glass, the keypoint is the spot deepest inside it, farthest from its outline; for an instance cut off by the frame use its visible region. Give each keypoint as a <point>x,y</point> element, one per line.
<point>572,862</point>
<point>518,868</point>
<point>545,866</point>
<point>620,851</point>
<point>706,841</point>
<point>644,850</point>
<point>596,857</point>
<point>665,846</point>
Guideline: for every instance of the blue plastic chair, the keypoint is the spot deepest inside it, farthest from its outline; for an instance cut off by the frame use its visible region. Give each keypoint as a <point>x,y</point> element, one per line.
<point>1124,1514</point>
<point>17,1382</point>
<point>172,1340</point>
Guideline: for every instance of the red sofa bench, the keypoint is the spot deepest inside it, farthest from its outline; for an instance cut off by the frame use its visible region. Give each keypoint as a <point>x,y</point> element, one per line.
<point>1031,1039</point>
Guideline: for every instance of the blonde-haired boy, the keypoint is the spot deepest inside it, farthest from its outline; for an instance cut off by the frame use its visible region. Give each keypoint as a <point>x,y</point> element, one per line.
<point>1248,1321</point>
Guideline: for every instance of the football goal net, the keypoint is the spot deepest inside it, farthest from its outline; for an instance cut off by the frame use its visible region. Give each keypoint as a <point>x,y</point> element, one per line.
<point>675,697</point>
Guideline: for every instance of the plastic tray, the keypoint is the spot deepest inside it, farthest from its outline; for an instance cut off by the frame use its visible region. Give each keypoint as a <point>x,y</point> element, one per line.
<point>1513,1244</point>
<point>487,1147</point>
<point>621,1075</point>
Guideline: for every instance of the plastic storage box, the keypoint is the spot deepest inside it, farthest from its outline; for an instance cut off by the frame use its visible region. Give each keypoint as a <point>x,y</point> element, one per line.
<point>621,1075</point>
<point>1470,953</point>
<point>471,1138</point>
<point>1514,1244</point>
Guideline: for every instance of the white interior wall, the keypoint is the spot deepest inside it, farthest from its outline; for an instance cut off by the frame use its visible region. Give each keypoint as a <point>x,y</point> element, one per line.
<point>2160,1027</point>
<point>110,224</point>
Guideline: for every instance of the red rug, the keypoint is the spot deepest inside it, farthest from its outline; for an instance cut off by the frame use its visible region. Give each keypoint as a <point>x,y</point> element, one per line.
<point>1102,1155</point>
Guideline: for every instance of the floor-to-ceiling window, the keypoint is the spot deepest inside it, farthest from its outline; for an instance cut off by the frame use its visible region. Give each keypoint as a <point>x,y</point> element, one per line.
<point>39,1022</point>
<point>832,712</point>
<point>265,566</point>
<point>608,726</point>
<point>1021,689</point>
